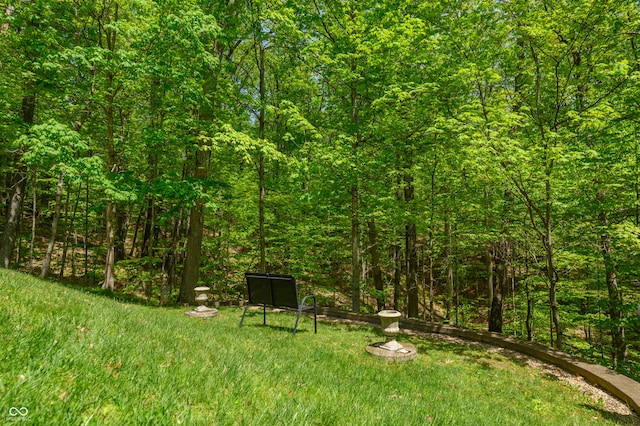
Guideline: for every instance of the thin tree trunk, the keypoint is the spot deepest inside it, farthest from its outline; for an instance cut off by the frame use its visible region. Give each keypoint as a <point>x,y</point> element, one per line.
<point>375,263</point>
<point>355,195</point>
<point>150,254</point>
<point>397,275</point>
<point>122,226</point>
<point>551,272</point>
<point>85,243</point>
<point>148,230</point>
<point>355,250</point>
<point>12,224</point>
<point>411,252</point>
<point>431,276</point>
<point>491,267</point>
<point>449,264</point>
<point>34,209</point>
<point>616,312</point>
<point>136,228</point>
<point>13,221</point>
<point>109,273</point>
<point>46,263</point>
<point>500,254</point>
<point>261,124</point>
<point>110,212</point>
<point>69,224</point>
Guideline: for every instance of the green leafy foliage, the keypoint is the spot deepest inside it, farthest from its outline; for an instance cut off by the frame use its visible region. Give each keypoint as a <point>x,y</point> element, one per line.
<point>474,122</point>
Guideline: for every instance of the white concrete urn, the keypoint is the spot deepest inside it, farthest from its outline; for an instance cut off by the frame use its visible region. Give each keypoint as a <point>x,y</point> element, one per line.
<point>202,310</point>
<point>389,319</point>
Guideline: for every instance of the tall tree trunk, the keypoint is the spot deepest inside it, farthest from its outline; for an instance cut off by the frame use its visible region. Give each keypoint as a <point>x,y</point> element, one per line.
<point>109,273</point>
<point>13,220</point>
<point>616,313</point>
<point>147,230</point>
<point>46,262</point>
<point>530,309</point>
<point>191,273</point>
<point>500,258</point>
<point>122,226</point>
<point>110,35</point>
<point>34,219</point>
<point>261,127</point>
<point>552,275</point>
<point>27,113</point>
<point>411,251</point>
<point>374,252</point>
<point>501,254</point>
<point>110,212</point>
<point>355,251</point>
<point>491,268</point>
<point>172,255</point>
<point>355,193</point>
<point>150,249</point>
<point>432,277</point>
<point>449,263</point>
<point>69,225</point>
<point>85,242</point>
<point>397,274</point>
<point>432,226</point>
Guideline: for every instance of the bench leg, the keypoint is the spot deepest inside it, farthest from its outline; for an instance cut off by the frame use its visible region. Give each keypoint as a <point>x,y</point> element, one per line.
<point>315,317</point>
<point>244,313</point>
<point>315,314</point>
<point>295,327</point>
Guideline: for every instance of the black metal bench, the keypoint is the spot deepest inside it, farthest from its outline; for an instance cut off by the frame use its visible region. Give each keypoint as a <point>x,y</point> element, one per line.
<point>277,291</point>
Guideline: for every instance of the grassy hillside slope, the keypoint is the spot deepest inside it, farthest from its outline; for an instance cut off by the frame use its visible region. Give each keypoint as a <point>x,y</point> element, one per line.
<point>72,357</point>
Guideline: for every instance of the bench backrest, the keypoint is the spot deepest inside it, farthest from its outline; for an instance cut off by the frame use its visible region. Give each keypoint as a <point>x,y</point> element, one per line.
<point>272,289</point>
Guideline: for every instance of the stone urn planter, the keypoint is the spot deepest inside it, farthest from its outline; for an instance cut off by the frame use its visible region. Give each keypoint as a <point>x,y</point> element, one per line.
<point>390,327</point>
<point>202,311</point>
<point>390,349</point>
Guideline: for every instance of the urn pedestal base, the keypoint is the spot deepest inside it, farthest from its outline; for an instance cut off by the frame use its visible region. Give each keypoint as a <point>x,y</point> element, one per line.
<point>390,349</point>
<point>408,352</point>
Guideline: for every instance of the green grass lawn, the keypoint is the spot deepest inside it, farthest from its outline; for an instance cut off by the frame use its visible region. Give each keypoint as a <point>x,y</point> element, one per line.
<point>72,357</point>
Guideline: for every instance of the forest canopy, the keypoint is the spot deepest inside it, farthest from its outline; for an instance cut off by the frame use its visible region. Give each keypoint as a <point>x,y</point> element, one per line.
<point>476,162</point>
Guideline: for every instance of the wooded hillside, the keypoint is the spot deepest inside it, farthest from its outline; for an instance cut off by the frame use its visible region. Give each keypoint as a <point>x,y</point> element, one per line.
<point>476,162</point>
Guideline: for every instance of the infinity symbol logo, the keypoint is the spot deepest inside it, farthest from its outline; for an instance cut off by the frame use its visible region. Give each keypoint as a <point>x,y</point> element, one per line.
<point>23,411</point>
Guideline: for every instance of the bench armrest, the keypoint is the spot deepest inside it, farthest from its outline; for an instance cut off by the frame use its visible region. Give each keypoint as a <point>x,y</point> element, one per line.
<point>304,305</point>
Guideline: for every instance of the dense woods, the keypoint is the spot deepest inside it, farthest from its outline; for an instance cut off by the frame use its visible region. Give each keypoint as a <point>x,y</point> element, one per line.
<point>476,162</point>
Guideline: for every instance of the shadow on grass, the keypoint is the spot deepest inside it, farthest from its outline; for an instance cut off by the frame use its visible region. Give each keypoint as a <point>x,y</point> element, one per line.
<point>617,417</point>
<point>80,285</point>
<point>256,323</point>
